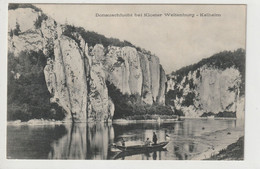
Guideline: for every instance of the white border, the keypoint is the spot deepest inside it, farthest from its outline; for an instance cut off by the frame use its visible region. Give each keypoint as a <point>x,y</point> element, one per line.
<point>252,138</point>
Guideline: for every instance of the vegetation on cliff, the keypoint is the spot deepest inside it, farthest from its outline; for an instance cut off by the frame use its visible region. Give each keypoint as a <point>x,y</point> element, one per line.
<point>222,61</point>
<point>93,38</point>
<point>28,96</point>
<point>13,6</point>
<point>131,105</point>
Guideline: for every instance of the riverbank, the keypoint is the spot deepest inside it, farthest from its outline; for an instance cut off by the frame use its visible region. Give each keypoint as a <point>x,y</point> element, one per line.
<point>218,145</point>
<point>37,122</point>
<point>234,151</point>
<point>130,119</point>
<point>214,118</point>
<point>147,118</point>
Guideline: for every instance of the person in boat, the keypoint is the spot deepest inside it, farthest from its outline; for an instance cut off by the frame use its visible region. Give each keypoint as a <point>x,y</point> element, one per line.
<point>147,142</point>
<point>167,136</point>
<point>123,142</point>
<point>154,138</point>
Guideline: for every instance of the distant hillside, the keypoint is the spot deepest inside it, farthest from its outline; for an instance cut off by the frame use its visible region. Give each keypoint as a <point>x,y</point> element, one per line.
<point>215,86</point>
<point>221,60</point>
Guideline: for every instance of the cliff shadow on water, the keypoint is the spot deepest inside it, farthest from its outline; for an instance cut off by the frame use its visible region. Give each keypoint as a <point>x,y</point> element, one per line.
<point>95,141</point>
<point>70,141</point>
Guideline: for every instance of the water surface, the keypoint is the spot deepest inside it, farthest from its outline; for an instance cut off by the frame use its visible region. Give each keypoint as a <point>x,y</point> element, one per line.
<point>188,138</point>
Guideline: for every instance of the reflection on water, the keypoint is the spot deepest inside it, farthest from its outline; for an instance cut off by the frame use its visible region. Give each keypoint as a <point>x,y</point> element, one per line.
<point>93,141</point>
<point>83,142</point>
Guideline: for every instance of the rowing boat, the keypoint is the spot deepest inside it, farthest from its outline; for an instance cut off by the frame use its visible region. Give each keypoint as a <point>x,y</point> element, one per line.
<point>142,147</point>
<point>123,154</point>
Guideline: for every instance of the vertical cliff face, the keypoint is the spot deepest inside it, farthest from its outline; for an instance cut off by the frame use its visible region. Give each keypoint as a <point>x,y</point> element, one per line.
<point>162,86</point>
<point>135,72</point>
<point>124,69</point>
<point>73,78</point>
<point>79,84</point>
<point>76,74</point>
<point>69,80</point>
<point>147,83</point>
<point>209,89</point>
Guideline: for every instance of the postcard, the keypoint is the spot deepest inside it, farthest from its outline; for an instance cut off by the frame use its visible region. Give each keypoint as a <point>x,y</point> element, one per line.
<point>126,81</point>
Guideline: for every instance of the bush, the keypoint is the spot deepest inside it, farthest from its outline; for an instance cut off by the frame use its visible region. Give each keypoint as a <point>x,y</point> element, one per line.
<point>226,114</point>
<point>38,22</point>
<point>191,84</point>
<point>93,38</point>
<point>178,112</point>
<point>207,114</point>
<point>17,30</point>
<point>198,73</point>
<point>188,99</point>
<point>132,105</point>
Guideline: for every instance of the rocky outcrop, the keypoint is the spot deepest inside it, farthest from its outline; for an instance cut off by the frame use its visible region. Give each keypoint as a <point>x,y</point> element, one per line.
<point>162,86</point>
<point>147,83</point>
<point>69,85</point>
<point>124,69</point>
<point>29,37</point>
<point>101,107</point>
<point>76,74</point>
<point>207,90</point>
<point>77,82</point>
<point>135,72</point>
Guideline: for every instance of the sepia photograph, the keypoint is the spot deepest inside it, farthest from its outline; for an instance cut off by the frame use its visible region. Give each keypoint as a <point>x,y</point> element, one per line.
<point>126,81</point>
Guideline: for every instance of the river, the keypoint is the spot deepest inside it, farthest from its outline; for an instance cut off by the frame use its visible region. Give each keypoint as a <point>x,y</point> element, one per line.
<point>188,139</point>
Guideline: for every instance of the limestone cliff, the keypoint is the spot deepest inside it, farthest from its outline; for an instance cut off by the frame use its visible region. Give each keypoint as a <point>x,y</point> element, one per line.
<point>76,72</point>
<point>135,72</point>
<point>214,86</point>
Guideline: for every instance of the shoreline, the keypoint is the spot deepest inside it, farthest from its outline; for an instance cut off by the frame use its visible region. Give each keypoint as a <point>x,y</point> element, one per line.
<point>215,118</point>
<point>211,143</point>
<point>216,145</point>
<point>234,151</point>
<point>116,121</point>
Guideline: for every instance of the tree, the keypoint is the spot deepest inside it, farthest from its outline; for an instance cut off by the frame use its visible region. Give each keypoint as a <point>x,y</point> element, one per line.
<point>17,29</point>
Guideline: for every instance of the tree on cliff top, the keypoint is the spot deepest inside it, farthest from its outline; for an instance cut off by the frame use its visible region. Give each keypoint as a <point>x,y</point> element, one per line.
<point>13,6</point>
<point>92,38</point>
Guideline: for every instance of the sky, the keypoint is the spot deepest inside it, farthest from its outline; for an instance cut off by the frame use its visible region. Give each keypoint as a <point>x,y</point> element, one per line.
<point>177,40</point>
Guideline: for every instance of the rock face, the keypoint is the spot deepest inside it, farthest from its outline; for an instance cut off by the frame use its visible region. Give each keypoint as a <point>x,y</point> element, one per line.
<point>76,74</point>
<point>207,90</point>
<point>69,85</point>
<point>135,72</point>
<point>162,87</point>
